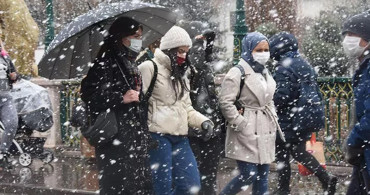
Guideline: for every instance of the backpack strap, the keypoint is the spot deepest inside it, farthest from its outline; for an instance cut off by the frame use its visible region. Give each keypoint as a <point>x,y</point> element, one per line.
<point>240,67</point>
<point>148,94</point>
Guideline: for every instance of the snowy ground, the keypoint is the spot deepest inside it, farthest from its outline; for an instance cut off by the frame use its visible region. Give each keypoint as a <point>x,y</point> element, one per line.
<point>78,176</point>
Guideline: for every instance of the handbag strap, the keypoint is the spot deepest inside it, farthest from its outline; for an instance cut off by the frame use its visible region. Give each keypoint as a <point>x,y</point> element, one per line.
<point>123,74</point>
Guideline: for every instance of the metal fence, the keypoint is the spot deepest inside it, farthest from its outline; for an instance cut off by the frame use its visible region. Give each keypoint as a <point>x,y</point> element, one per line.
<point>69,95</point>
<point>337,93</point>
<point>338,97</point>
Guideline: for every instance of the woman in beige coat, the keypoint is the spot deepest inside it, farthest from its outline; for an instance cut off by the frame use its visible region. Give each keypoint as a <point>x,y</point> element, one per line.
<point>251,131</point>
<point>174,169</point>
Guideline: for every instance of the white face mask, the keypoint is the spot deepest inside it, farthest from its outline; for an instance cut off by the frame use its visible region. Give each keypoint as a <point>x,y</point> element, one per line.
<point>351,46</point>
<point>136,45</point>
<point>261,57</point>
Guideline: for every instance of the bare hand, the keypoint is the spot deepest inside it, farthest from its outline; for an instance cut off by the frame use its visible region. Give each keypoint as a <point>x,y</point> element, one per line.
<point>131,96</point>
<point>241,111</point>
<point>13,76</point>
<point>200,37</point>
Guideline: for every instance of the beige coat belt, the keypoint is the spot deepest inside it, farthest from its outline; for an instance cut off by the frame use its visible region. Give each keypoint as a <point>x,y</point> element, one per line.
<point>270,113</point>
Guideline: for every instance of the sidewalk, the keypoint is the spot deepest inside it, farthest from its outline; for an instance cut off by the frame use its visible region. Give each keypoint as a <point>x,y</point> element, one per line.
<point>73,175</point>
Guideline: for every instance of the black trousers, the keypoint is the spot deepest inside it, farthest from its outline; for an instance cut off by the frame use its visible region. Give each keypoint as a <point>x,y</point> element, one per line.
<point>360,182</point>
<point>298,151</point>
<point>208,156</point>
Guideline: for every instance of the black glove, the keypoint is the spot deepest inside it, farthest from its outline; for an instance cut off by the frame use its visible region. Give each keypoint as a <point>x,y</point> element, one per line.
<point>354,156</point>
<point>207,127</point>
<point>193,132</point>
<point>209,35</point>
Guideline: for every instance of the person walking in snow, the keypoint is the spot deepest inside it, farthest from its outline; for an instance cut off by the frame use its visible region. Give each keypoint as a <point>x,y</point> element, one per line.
<point>114,83</point>
<point>246,103</point>
<point>174,168</point>
<point>204,99</point>
<point>356,45</point>
<point>291,70</point>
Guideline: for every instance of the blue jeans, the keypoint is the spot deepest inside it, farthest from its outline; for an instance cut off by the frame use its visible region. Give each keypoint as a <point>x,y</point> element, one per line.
<point>250,173</point>
<point>173,161</point>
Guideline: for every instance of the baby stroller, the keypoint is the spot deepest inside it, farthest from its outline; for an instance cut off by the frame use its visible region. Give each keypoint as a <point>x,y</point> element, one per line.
<point>34,113</point>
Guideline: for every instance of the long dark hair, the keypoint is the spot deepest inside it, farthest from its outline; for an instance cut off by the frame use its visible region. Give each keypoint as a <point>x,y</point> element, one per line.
<point>178,73</point>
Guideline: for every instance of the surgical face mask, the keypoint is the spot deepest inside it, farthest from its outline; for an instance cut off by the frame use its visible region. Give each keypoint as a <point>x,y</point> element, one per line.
<point>261,57</point>
<point>352,48</point>
<point>136,45</point>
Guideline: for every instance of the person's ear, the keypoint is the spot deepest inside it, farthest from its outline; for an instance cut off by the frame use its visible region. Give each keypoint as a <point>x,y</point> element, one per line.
<point>126,42</point>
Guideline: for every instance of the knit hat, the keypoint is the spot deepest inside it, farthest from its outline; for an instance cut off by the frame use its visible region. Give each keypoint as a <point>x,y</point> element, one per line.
<point>175,37</point>
<point>358,24</point>
<point>123,27</point>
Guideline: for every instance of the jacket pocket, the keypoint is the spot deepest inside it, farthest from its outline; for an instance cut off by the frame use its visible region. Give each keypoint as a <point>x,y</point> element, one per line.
<point>249,127</point>
<point>245,123</point>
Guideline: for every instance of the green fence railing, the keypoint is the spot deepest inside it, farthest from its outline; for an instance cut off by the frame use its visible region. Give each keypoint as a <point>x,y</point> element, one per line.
<point>337,93</point>
<point>338,97</point>
<point>68,96</point>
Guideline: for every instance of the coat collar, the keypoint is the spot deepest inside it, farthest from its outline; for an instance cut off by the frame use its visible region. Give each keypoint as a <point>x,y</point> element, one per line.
<point>254,83</point>
<point>162,59</point>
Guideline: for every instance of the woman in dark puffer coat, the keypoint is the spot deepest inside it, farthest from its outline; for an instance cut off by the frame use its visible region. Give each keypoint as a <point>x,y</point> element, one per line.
<point>123,163</point>
<point>284,49</point>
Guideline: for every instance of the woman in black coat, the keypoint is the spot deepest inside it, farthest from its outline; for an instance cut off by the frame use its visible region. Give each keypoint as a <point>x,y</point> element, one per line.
<point>114,83</point>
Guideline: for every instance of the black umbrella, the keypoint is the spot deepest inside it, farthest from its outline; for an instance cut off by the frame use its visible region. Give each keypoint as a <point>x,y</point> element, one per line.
<point>71,52</point>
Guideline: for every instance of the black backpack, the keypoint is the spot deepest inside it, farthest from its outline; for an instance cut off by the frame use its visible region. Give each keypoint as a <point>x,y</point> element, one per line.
<point>309,111</point>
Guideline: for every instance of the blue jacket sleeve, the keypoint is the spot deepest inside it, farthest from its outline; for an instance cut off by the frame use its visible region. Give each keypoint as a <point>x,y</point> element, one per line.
<point>361,131</point>
<point>283,96</point>
<point>360,134</point>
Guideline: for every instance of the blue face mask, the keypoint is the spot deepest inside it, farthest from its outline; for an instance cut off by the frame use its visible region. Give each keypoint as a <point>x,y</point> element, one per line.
<point>136,45</point>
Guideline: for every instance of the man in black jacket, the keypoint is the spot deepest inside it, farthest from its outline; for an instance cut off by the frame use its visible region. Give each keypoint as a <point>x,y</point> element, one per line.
<point>204,99</point>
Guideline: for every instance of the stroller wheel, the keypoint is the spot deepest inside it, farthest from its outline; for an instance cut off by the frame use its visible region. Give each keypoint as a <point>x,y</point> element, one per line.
<point>25,159</point>
<point>25,174</point>
<point>48,156</point>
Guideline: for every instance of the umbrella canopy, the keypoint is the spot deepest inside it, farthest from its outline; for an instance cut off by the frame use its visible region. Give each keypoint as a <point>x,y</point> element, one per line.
<point>73,50</point>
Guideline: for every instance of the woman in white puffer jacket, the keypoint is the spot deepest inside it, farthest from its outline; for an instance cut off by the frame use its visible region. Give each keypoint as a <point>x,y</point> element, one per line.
<point>174,169</point>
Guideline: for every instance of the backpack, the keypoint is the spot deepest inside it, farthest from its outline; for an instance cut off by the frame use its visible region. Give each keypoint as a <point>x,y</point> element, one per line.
<point>309,111</point>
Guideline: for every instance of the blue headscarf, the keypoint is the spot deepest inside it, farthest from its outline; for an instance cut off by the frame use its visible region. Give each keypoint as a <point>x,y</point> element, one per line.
<point>249,42</point>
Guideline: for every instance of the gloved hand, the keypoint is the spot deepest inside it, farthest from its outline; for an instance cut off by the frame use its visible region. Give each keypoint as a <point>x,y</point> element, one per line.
<point>193,132</point>
<point>207,127</point>
<point>209,35</point>
<point>354,156</point>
